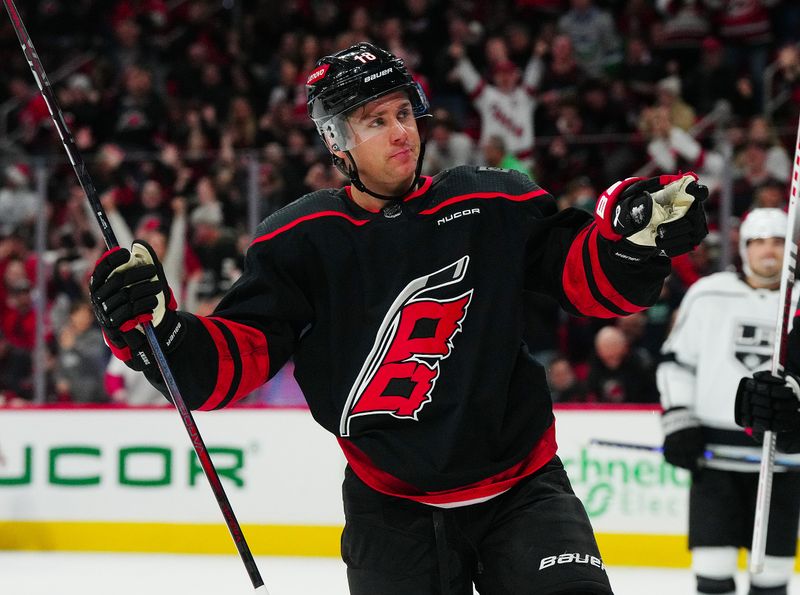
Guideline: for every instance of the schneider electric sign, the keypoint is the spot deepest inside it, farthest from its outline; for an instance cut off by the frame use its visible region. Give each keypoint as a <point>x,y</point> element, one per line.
<point>85,465</point>
<point>641,485</point>
<point>623,491</point>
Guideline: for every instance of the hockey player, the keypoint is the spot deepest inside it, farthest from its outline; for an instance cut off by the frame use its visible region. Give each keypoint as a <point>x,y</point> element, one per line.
<point>400,298</point>
<point>724,331</point>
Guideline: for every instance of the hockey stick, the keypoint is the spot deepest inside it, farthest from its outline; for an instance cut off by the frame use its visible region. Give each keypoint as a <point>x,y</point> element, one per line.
<point>111,242</point>
<point>708,455</point>
<point>764,495</point>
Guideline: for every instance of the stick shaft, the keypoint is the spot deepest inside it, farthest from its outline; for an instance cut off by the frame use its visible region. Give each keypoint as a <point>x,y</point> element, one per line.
<point>89,190</point>
<point>708,455</point>
<point>784,319</point>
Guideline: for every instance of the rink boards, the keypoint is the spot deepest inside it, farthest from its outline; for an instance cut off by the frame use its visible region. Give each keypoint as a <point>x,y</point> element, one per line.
<point>128,480</point>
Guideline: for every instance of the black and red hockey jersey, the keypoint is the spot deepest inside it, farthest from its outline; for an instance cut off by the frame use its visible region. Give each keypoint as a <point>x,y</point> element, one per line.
<point>406,326</point>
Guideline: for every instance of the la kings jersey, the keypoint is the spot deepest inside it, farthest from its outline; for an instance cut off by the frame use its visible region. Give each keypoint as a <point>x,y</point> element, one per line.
<point>724,330</point>
<point>406,326</point>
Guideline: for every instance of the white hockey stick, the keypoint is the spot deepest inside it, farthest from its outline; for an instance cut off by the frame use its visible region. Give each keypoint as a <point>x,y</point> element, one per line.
<point>760,524</point>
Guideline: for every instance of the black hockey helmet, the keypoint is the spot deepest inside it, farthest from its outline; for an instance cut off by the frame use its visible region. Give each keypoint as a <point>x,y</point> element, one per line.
<point>350,79</point>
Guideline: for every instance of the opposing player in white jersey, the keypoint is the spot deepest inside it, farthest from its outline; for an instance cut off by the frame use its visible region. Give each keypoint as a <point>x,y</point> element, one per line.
<point>724,331</point>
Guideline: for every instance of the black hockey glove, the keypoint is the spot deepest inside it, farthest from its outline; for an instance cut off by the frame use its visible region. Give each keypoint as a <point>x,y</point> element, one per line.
<point>684,445</point>
<point>643,217</point>
<point>768,403</point>
<point>129,288</point>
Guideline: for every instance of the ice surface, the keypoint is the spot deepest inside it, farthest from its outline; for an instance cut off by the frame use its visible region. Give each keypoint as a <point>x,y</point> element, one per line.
<point>43,573</point>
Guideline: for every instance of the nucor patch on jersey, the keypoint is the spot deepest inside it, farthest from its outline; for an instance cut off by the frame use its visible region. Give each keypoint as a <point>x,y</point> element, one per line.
<point>753,344</point>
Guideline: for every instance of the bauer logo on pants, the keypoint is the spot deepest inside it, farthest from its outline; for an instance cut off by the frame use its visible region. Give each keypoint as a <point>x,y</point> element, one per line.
<point>400,371</point>
<point>575,558</point>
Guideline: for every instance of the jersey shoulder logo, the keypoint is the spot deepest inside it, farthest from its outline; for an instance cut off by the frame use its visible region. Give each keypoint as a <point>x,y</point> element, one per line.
<point>416,334</point>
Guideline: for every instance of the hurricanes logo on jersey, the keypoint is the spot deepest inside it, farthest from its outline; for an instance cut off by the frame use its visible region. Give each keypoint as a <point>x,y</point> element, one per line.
<point>753,344</point>
<point>401,369</point>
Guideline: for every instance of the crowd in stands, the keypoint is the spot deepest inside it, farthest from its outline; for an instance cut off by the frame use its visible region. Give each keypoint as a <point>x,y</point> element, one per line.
<point>183,110</point>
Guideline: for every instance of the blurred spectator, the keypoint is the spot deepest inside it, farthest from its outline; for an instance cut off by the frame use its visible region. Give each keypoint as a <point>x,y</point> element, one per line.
<point>668,96</point>
<point>495,155</point>
<point>16,381</point>
<point>18,322</point>
<point>618,374</point>
<point>770,195</point>
<point>746,29</point>
<point>82,357</point>
<point>690,267</point>
<point>507,105</point>
<point>594,37</point>
<point>127,386</point>
<point>678,37</point>
<point>786,84</point>
<point>139,113</point>
<point>713,81</point>
<point>564,384</point>
<point>778,163</point>
<point>32,118</point>
<point>80,103</point>
<point>751,173</point>
<point>634,327</point>
<point>671,148</point>
<point>560,79</point>
<point>216,249</point>
<point>603,114</point>
<point>579,193</point>
<point>447,147</point>
<point>641,71</point>
<point>18,203</point>
<point>569,152</point>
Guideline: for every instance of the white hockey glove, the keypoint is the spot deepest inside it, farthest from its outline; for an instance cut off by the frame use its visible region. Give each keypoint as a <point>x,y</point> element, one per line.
<point>647,216</point>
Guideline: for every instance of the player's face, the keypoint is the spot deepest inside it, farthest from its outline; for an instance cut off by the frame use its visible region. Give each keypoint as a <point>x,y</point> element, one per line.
<point>765,256</point>
<point>387,143</point>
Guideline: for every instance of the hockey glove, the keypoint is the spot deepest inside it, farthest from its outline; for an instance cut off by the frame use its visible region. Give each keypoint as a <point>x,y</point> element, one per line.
<point>127,289</point>
<point>647,216</point>
<point>684,445</point>
<point>768,403</point>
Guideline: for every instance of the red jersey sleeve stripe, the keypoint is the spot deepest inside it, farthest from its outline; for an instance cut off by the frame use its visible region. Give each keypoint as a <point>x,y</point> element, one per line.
<point>224,368</point>
<point>478,90</point>
<point>248,346</point>
<point>603,284</point>
<point>485,195</point>
<point>300,220</point>
<point>576,284</point>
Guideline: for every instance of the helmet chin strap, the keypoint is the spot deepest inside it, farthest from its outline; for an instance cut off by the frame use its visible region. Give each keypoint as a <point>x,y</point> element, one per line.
<point>355,179</point>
